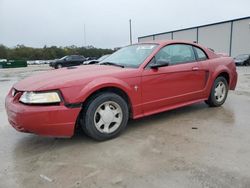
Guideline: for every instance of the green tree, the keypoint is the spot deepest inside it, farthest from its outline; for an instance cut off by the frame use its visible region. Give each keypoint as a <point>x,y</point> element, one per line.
<point>3,52</point>
<point>53,52</point>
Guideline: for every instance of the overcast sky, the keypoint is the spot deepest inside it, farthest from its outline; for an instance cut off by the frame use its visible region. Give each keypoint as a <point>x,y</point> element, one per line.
<point>37,23</point>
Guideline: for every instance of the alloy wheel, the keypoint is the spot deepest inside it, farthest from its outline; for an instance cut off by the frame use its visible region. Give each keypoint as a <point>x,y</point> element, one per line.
<point>108,117</point>
<point>220,91</point>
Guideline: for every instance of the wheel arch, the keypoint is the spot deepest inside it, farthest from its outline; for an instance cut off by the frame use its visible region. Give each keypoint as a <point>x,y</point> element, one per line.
<point>224,74</point>
<point>92,90</point>
<point>222,71</point>
<point>113,89</point>
<point>107,84</point>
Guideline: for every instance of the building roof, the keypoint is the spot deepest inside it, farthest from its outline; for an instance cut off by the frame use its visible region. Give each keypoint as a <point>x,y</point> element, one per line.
<point>238,19</point>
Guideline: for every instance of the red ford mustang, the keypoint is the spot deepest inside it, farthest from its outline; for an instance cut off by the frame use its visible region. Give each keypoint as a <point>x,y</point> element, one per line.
<point>136,81</point>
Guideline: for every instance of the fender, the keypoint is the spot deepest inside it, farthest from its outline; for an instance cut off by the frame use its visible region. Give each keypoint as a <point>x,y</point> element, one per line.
<point>100,83</point>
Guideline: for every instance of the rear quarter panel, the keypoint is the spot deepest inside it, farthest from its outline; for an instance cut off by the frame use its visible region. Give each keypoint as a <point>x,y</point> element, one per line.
<point>219,65</point>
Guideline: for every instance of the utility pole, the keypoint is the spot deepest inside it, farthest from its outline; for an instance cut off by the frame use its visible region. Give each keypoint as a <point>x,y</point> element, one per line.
<point>130,31</point>
<point>85,43</point>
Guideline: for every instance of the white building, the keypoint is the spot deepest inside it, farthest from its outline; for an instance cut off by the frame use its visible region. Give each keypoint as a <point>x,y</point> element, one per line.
<point>231,37</point>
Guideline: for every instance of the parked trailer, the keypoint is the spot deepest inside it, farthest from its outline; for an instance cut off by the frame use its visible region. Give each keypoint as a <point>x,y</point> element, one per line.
<point>13,64</point>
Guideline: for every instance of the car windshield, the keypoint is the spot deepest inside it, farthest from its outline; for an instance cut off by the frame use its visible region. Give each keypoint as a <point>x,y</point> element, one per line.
<point>103,57</point>
<point>131,56</point>
<point>242,56</point>
<point>63,57</point>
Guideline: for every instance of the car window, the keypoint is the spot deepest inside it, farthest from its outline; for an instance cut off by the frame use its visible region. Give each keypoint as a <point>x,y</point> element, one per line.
<point>103,57</point>
<point>200,54</point>
<point>63,58</point>
<point>68,58</point>
<point>176,54</point>
<point>75,57</point>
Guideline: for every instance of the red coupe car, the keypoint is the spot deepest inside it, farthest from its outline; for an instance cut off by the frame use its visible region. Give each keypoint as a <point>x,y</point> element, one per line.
<point>136,81</point>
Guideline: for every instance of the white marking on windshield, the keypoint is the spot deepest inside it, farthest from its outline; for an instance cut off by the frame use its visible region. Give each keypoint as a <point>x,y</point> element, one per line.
<point>145,47</point>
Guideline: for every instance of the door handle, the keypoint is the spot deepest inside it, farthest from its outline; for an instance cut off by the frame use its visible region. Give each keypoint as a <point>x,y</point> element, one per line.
<point>195,68</point>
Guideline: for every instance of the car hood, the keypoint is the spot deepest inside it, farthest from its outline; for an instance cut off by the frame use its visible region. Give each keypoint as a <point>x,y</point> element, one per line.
<point>72,76</point>
<point>56,61</point>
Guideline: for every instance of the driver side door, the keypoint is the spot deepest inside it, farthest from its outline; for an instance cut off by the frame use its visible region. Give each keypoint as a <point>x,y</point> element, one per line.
<point>179,82</point>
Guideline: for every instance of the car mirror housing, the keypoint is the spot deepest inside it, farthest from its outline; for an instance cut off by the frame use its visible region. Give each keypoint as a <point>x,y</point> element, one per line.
<point>159,63</point>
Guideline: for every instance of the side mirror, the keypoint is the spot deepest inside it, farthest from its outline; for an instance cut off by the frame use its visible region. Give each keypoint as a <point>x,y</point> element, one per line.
<point>159,63</point>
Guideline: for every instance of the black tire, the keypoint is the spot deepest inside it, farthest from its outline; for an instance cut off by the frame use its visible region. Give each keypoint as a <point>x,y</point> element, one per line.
<point>88,115</point>
<point>58,66</point>
<point>213,100</point>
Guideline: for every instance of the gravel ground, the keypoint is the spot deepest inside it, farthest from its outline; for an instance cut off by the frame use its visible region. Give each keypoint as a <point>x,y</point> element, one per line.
<point>194,146</point>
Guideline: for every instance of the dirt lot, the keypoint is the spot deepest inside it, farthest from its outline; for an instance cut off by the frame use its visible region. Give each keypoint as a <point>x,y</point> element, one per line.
<point>194,146</point>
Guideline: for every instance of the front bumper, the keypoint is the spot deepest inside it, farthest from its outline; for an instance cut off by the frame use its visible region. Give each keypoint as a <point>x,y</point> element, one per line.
<point>56,121</point>
<point>51,64</point>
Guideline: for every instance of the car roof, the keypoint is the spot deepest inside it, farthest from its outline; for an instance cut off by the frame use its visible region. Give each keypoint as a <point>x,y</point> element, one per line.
<point>166,42</point>
<point>74,55</point>
<point>163,43</point>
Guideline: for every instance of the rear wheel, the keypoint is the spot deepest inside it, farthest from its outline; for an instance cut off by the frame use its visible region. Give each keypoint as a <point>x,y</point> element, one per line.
<point>58,66</point>
<point>218,93</point>
<point>105,117</point>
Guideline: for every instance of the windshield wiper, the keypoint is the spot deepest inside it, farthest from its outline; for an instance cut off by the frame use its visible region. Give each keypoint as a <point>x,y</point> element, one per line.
<point>110,63</point>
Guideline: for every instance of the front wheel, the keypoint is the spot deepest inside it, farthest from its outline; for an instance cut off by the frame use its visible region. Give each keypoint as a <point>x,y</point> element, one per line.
<point>105,116</point>
<point>218,93</point>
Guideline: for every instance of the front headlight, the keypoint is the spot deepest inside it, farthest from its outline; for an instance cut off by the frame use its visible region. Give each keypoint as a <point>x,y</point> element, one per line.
<point>40,97</point>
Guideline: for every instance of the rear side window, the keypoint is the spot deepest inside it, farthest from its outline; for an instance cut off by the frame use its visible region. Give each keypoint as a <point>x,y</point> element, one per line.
<point>75,57</point>
<point>201,56</point>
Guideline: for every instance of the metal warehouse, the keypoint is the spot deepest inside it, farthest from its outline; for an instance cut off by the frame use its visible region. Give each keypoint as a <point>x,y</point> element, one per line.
<point>232,36</point>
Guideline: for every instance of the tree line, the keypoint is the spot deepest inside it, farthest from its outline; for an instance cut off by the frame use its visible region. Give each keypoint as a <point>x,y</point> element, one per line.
<point>28,53</point>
